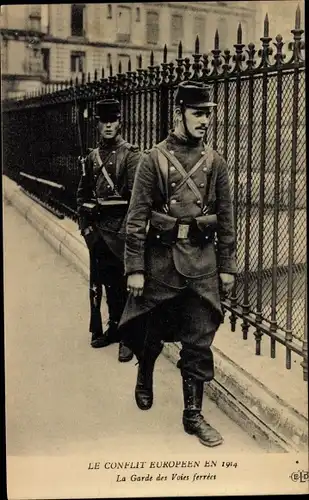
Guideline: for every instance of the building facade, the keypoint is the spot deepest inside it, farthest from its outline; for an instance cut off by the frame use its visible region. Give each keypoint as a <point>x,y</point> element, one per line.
<point>52,43</point>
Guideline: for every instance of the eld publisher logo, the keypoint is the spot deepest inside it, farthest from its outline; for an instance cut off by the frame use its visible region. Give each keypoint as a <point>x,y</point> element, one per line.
<point>301,476</point>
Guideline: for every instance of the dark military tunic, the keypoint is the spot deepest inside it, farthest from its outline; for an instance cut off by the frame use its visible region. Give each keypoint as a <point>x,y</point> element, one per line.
<point>120,160</point>
<point>171,270</point>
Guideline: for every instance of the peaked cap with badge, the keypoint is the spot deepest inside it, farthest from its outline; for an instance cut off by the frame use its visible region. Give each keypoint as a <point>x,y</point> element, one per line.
<point>194,95</point>
<point>108,110</point>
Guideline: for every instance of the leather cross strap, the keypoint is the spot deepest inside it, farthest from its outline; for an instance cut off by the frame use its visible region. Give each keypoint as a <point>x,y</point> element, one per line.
<point>186,176</point>
<point>107,177</point>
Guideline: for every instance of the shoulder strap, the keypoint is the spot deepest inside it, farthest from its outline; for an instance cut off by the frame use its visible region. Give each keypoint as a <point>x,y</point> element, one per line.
<point>186,176</point>
<point>108,179</point>
<point>131,147</point>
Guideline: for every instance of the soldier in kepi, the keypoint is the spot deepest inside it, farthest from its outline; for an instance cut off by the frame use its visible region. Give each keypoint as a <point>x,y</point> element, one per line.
<point>180,255</point>
<point>102,202</point>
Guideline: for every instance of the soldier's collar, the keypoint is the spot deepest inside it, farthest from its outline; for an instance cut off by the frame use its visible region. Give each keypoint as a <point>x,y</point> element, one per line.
<point>183,139</point>
<point>116,142</point>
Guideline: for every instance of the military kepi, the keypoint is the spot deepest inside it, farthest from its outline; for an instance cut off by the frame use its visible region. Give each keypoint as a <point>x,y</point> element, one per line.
<point>108,110</point>
<point>194,95</point>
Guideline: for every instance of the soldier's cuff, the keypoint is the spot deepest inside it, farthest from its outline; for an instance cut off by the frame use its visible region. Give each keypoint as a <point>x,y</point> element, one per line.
<point>227,266</point>
<point>134,266</point>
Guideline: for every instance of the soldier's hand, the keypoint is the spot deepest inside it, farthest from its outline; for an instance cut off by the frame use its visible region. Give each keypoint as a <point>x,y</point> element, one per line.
<point>135,284</point>
<point>227,281</point>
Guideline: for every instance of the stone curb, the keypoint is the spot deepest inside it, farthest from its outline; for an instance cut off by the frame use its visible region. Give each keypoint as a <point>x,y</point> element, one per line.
<point>267,418</point>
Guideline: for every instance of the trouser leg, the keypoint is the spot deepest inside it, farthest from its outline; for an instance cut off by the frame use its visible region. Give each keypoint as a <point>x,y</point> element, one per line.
<point>95,299</point>
<point>116,296</point>
<point>152,348</point>
<point>197,366</point>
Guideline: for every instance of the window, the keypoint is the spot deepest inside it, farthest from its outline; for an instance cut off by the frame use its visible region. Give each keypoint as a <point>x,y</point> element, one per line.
<point>176,29</point>
<point>152,27</point>
<point>199,30</point>
<point>223,33</point>
<point>244,29</point>
<point>138,14</point>
<point>109,11</point>
<point>77,62</point>
<point>124,59</point>
<point>123,24</point>
<point>46,61</point>
<point>45,18</point>
<point>109,60</point>
<point>4,55</point>
<point>34,17</point>
<point>35,61</point>
<point>77,19</point>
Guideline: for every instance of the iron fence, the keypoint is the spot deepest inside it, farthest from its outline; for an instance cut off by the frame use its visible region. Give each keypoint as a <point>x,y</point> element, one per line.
<point>258,126</point>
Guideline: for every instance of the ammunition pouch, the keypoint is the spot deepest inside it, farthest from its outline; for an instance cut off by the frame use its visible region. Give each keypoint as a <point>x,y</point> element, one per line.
<point>162,229</point>
<point>202,230</point>
<point>167,230</point>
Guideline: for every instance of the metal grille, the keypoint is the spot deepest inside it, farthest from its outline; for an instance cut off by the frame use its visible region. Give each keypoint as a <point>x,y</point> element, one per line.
<point>258,127</point>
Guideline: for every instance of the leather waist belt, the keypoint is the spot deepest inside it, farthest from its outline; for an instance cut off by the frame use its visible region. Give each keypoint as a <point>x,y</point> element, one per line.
<point>180,231</point>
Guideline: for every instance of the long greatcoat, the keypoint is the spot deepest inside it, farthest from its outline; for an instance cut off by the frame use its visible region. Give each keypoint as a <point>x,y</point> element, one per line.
<point>170,270</point>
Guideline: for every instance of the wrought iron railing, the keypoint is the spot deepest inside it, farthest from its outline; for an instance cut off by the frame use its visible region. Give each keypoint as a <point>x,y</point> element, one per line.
<point>258,126</point>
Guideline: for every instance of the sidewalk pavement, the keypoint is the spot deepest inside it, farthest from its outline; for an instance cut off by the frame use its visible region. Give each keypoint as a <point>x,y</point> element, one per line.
<point>62,396</point>
<point>257,392</point>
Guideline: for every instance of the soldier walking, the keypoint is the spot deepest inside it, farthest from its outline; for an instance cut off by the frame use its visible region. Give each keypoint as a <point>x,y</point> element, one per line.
<point>179,255</point>
<point>102,201</point>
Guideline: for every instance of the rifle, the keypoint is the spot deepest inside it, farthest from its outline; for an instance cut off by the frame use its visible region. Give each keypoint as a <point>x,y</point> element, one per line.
<point>95,284</point>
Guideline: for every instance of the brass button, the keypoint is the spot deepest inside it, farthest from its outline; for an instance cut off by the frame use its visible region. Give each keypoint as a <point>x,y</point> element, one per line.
<point>172,169</point>
<point>171,151</point>
<point>173,184</point>
<point>203,152</point>
<point>173,201</point>
<point>204,169</point>
<point>202,185</point>
<point>113,152</point>
<point>110,163</point>
<point>198,202</point>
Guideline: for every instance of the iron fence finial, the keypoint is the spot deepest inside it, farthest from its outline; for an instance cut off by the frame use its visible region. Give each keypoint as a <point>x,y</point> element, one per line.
<point>239,34</point>
<point>165,54</point>
<point>197,45</point>
<point>180,50</point>
<point>266,26</point>
<point>216,44</point>
<point>297,18</point>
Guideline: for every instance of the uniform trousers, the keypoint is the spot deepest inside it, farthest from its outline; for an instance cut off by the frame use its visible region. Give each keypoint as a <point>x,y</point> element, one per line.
<point>189,319</point>
<point>105,269</point>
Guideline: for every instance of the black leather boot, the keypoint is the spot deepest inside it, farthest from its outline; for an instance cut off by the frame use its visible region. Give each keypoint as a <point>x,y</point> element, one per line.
<point>193,420</point>
<point>144,383</point>
<point>125,354</point>
<point>110,336</point>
